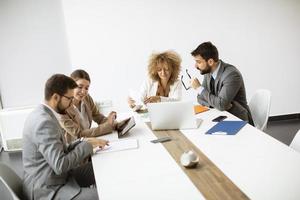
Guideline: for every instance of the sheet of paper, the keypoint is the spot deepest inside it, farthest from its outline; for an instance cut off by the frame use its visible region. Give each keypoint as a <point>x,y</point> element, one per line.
<point>110,137</point>
<point>119,145</point>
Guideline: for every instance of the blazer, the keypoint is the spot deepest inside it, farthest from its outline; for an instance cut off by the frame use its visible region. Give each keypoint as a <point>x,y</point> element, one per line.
<point>47,159</point>
<point>149,88</point>
<point>230,93</point>
<point>72,126</point>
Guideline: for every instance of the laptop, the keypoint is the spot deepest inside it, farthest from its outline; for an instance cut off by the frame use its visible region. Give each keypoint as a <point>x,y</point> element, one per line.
<point>173,115</point>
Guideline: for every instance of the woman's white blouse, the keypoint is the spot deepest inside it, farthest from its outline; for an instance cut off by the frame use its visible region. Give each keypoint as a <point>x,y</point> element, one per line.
<point>149,88</point>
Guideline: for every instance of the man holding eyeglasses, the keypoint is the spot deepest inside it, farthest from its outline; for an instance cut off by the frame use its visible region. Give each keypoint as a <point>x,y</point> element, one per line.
<point>53,169</point>
<point>223,86</point>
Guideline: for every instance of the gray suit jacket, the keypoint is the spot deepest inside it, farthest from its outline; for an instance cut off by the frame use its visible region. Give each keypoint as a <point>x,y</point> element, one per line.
<point>46,158</point>
<point>230,92</point>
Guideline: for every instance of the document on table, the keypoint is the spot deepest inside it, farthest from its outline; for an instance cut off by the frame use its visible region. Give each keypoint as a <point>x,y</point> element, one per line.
<point>110,137</point>
<point>119,145</point>
<point>226,128</point>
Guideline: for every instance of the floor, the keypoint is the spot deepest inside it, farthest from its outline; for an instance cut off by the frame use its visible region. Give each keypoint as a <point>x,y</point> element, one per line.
<point>283,131</point>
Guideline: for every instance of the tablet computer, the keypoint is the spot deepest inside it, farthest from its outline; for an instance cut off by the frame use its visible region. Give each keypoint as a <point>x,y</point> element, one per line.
<point>124,126</point>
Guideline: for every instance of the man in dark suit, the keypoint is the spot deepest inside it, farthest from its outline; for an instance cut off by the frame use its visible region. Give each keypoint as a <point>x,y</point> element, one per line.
<point>223,86</point>
<point>53,169</point>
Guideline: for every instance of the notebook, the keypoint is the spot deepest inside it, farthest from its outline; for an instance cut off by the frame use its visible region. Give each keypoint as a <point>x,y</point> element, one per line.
<point>199,109</point>
<point>226,128</point>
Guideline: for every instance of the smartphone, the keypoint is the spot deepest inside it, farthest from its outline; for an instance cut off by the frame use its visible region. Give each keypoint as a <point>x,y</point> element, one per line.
<point>161,140</point>
<point>219,118</point>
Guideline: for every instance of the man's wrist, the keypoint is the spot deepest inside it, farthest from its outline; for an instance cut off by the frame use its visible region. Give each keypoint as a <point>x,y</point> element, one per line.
<point>200,89</point>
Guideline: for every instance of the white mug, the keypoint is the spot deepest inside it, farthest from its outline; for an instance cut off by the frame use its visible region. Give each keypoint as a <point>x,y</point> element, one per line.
<point>189,159</point>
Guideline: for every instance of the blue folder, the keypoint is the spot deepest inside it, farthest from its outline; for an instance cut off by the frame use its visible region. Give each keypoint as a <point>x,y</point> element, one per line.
<point>228,127</point>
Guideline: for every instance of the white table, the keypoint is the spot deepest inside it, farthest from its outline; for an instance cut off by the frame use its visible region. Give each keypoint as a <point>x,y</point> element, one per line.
<point>262,167</point>
<point>148,172</point>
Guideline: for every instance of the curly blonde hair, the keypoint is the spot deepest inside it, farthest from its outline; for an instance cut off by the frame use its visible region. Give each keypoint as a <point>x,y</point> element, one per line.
<point>173,61</point>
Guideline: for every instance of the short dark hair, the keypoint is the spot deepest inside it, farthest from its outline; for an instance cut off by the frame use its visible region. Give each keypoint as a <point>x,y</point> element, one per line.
<point>80,74</point>
<point>207,51</point>
<point>60,84</point>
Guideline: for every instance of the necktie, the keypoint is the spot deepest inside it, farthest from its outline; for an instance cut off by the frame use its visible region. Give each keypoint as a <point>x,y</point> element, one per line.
<point>212,86</point>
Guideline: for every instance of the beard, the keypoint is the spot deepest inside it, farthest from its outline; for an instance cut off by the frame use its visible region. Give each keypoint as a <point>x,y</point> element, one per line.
<point>61,109</point>
<point>206,70</point>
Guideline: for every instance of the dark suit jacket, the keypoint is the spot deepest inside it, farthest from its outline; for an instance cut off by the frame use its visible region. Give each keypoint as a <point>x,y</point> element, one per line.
<point>230,93</point>
<point>47,160</point>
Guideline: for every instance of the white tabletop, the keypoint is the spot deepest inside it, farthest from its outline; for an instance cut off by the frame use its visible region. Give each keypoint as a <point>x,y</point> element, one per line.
<point>262,167</point>
<point>148,172</point>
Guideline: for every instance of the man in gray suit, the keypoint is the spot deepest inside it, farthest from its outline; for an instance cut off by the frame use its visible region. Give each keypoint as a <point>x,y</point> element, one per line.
<point>223,86</point>
<point>53,169</point>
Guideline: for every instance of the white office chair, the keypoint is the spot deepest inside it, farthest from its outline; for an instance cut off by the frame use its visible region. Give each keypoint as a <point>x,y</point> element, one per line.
<point>260,108</point>
<point>10,184</point>
<point>10,133</point>
<point>296,142</point>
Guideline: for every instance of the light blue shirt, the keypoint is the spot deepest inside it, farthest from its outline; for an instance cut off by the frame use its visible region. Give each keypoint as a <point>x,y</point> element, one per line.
<point>214,75</point>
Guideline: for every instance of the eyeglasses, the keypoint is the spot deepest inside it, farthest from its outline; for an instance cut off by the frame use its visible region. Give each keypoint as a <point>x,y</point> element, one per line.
<point>186,88</point>
<point>69,98</point>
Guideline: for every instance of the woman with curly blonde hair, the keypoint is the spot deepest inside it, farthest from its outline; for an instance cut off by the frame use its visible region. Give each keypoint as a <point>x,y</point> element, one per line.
<point>163,83</point>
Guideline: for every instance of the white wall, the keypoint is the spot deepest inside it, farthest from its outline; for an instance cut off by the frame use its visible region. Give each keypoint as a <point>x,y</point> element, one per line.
<point>33,46</point>
<point>112,40</point>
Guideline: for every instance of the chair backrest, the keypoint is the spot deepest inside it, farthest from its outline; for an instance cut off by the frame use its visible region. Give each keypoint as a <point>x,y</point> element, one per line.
<point>10,133</point>
<point>10,183</point>
<point>296,142</point>
<point>260,108</point>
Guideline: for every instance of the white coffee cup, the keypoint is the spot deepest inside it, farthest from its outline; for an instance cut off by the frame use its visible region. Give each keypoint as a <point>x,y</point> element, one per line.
<point>189,159</point>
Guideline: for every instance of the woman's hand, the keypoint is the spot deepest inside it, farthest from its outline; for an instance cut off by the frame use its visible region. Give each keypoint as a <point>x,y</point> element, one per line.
<point>131,102</point>
<point>111,118</point>
<point>152,99</point>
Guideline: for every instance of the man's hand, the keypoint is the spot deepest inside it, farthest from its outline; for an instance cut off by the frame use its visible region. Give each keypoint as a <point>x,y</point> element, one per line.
<point>131,102</point>
<point>195,84</point>
<point>97,142</point>
<point>111,118</point>
<point>152,99</point>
